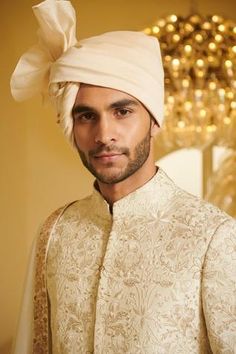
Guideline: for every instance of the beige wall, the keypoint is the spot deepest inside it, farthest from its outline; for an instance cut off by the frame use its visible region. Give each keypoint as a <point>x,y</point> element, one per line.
<point>39,171</point>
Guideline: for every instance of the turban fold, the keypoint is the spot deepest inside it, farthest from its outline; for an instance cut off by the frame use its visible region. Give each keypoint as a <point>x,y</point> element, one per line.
<point>123,60</point>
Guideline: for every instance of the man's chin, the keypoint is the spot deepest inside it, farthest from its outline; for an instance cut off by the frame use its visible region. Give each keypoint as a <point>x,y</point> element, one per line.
<point>108,177</point>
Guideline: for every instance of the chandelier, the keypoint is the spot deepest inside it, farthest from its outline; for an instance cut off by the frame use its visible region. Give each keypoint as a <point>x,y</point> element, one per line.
<point>199,58</point>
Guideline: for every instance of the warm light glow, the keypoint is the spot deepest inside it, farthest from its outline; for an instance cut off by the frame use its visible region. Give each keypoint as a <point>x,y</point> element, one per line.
<point>233,105</point>
<point>217,19</point>
<point>228,64</point>
<point>230,95</point>
<point>200,77</point>
<point>181,124</point>
<point>147,31</point>
<point>185,83</point>
<point>200,63</point>
<point>155,29</point>
<point>161,23</point>
<point>227,120</point>
<point>212,85</point>
<point>188,49</point>
<point>170,27</point>
<point>211,128</point>
<point>167,58</point>
<point>221,28</point>
<point>199,37</point>
<point>221,107</point>
<point>221,92</point>
<point>171,99</point>
<point>188,106</point>
<point>212,46</point>
<point>200,73</point>
<point>202,113</point>
<point>175,64</point>
<point>195,19</point>
<point>206,25</point>
<point>198,93</point>
<point>210,59</point>
<point>172,18</point>
<point>176,37</point>
<point>219,38</point>
<point>188,27</point>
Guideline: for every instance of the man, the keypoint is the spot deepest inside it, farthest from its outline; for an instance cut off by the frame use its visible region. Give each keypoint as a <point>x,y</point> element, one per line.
<point>140,266</point>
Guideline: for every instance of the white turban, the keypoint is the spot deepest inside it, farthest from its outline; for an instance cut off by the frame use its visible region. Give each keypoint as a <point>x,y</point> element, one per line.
<point>123,60</point>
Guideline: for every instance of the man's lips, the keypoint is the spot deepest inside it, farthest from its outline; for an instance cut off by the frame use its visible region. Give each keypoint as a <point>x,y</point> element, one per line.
<point>107,155</point>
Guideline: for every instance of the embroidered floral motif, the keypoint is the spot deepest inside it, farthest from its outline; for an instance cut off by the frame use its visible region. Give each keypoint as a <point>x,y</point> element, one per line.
<point>41,320</point>
<point>158,276</point>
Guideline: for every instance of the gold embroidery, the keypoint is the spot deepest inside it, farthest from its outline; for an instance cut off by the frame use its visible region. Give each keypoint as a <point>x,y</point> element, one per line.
<point>135,282</point>
<point>41,335</point>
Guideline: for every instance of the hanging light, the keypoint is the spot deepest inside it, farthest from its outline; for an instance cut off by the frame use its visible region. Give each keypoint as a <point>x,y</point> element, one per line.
<point>199,56</point>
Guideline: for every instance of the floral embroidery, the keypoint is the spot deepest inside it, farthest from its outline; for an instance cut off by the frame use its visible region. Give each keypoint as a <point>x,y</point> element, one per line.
<point>41,321</point>
<point>158,276</point>
<point>231,247</point>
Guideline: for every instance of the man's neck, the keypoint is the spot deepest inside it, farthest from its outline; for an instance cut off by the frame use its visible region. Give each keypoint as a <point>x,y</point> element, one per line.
<point>114,192</point>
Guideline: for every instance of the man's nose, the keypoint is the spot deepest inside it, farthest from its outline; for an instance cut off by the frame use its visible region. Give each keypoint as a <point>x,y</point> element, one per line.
<point>105,132</point>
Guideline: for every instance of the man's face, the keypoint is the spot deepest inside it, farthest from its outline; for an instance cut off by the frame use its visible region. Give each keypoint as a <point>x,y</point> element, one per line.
<point>112,132</point>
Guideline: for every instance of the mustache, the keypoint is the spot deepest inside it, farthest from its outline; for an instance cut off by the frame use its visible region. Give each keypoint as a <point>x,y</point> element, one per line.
<point>109,148</point>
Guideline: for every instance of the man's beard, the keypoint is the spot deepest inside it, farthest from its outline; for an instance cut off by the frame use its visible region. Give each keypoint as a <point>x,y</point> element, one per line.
<point>141,153</point>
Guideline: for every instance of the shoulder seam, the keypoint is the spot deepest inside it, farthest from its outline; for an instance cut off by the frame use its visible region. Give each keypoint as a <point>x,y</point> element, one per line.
<point>211,239</point>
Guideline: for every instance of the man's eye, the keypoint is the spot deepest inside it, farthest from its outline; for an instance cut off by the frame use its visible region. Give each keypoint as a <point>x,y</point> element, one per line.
<point>84,117</point>
<point>123,112</point>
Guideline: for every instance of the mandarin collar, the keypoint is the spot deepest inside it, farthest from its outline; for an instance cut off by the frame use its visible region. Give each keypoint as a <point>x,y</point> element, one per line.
<point>153,196</point>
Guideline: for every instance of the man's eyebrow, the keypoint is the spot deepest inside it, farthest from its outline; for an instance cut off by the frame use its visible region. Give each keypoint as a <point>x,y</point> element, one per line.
<point>81,109</point>
<point>123,103</point>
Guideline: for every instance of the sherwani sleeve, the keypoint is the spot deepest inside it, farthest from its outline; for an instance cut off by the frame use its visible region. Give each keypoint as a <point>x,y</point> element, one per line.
<point>24,337</point>
<point>219,289</point>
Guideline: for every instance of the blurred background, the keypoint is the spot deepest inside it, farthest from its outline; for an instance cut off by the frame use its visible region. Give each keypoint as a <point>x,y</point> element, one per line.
<point>40,171</point>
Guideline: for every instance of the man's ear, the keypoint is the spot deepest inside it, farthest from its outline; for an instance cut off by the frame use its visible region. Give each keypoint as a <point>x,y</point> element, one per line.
<point>155,128</point>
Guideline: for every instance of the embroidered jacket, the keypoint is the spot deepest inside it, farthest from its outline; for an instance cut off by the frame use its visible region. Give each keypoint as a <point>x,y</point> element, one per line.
<point>156,276</point>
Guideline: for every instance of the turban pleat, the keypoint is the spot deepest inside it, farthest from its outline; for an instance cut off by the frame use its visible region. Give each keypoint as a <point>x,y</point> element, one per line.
<point>123,60</point>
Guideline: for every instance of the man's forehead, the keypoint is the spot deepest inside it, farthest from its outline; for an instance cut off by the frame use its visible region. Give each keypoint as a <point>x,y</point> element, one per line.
<point>98,95</point>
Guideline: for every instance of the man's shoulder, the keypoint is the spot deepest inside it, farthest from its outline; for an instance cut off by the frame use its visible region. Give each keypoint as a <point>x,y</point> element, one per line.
<point>180,202</point>
<point>198,210</point>
<point>69,210</point>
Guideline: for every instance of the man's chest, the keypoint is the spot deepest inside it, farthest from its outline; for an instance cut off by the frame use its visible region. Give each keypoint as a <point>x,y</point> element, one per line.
<point>132,284</point>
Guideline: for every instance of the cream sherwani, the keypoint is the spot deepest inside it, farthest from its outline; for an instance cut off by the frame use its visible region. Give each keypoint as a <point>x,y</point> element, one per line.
<point>157,276</point>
